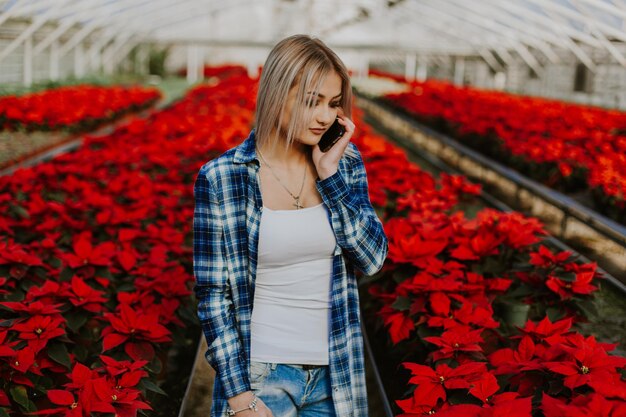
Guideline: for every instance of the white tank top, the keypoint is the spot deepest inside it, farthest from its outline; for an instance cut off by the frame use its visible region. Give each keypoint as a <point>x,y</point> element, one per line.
<point>291,308</point>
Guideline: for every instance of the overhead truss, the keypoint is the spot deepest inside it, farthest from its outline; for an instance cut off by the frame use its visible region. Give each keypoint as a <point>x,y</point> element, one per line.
<point>536,31</point>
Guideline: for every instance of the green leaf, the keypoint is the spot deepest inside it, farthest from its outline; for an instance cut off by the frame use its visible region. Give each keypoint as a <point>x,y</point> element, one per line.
<point>588,307</point>
<point>493,266</point>
<point>104,272</point>
<point>151,386</point>
<point>76,320</point>
<point>567,276</point>
<point>401,274</point>
<point>66,274</point>
<point>125,287</point>
<point>554,313</point>
<point>58,353</point>
<point>55,262</point>
<point>81,353</point>
<point>20,396</point>
<point>401,303</point>
<point>520,292</point>
<point>20,211</point>
<point>155,365</point>
<point>522,266</point>
<point>4,412</point>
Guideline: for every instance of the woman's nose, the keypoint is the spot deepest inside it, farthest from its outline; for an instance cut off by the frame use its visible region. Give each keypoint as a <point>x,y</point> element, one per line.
<point>326,115</point>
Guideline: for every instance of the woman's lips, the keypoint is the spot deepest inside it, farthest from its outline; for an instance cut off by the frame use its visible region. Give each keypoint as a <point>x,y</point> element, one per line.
<point>317,131</point>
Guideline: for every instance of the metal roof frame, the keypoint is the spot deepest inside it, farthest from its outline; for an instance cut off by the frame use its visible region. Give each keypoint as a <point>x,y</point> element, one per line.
<point>487,27</point>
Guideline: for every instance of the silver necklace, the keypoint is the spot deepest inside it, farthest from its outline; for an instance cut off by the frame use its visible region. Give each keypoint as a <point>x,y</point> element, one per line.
<point>295,197</point>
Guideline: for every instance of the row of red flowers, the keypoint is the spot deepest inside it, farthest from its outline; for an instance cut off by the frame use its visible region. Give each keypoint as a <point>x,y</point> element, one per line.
<point>76,108</point>
<point>564,145</point>
<point>95,259</point>
<point>445,288</point>
<point>220,71</point>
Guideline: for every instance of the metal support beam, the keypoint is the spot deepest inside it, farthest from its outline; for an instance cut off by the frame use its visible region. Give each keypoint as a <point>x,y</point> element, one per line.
<point>79,61</point>
<point>596,31</point>
<point>36,23</point>
<point>409,66</point>
<point>27,73</point>
<point>54,61</point>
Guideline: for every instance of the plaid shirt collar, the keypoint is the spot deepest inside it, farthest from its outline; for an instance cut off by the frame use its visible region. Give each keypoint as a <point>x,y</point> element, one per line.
<point>246,152</point>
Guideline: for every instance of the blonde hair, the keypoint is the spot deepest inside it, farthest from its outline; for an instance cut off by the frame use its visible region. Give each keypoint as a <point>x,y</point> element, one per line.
<point>296,60</point>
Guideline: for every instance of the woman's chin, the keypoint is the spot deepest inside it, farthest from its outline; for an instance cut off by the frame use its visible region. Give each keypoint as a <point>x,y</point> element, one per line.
<point>309,139</point>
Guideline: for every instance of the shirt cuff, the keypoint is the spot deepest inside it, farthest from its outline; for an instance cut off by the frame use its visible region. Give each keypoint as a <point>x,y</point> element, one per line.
<point>332,189</point>
<point>235,379</point>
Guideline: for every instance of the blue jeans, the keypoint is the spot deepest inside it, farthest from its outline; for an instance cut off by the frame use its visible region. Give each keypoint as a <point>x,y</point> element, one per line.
<point>290,391</point>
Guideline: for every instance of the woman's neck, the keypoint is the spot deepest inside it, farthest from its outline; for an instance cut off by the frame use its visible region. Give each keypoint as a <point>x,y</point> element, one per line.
<point>292,157</point>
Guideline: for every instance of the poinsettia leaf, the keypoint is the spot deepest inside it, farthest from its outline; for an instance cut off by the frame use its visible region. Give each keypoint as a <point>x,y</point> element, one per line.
<point>60,397</point>
<point>76,320</point>
<point>112,340</point>
<point>66,274</point>
<point>401,303</point>
<point>3,412</point>
<point>139,350</point>
<point>54,261</point>
<point>125,287</point>
<point>520,292</point>
<point>80,352</point>
<point>155,365</point>
<point>58,353</point>
<point>146,384</point>
<point>493,265</point>
<point>588,307</point>
<point>20,211</point>
<point>402,274</point>
<point>554,313</point>
<point>20,396</point>
<point>522,266</point>
<point>567,276</point>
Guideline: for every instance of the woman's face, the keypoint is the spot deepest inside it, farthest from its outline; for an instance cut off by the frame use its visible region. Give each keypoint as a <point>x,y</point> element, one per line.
<point>321,113</point>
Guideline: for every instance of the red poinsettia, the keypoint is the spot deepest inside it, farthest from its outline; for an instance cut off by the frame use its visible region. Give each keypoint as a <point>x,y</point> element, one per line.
<point>432,383</point>
<point>37,330</point>
<point>546,331</point>
<point>544,258</point>
<point>400,325</point>
<point>587,364</point>
<point>126,401</point>
<point>455,341</point>
<point>593,405</point>
<point>85,253</point>
<point>86,297</point>
<point>580,286</point>
<point>138,330</point>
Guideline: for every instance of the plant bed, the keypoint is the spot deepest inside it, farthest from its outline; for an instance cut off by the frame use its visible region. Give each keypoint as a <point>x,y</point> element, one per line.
<point>74,109</point>
<point>438,308</point>
<point>96,269</point>
<point>591,233</point>
<point>568,147</point>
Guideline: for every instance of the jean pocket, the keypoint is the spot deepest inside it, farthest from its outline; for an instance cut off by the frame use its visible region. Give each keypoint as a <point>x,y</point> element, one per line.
<point>258,371</point>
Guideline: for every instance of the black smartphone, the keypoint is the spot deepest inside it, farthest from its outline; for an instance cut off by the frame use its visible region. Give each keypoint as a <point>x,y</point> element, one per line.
<point>331,136</point>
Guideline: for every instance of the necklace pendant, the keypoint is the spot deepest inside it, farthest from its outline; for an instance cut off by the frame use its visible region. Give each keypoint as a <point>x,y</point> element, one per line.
<point>297,204</point>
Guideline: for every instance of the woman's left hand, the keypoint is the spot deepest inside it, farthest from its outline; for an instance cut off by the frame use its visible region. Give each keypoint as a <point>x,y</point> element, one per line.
<point>327,163</point>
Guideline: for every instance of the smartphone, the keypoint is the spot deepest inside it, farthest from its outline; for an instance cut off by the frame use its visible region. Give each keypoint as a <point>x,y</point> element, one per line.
<point>331,136</point>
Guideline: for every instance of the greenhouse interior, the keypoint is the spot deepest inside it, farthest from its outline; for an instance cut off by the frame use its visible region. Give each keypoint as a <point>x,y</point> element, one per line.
<point>465,162</point>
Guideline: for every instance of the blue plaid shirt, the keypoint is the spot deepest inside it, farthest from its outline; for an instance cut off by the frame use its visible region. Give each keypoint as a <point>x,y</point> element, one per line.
<point>226,220</point>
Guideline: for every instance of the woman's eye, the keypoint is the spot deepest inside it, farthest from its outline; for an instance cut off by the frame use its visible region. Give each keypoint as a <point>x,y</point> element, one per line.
<point>335,105</point>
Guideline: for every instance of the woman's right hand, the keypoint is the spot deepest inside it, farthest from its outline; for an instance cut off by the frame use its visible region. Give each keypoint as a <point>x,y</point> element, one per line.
<point>243,400</point>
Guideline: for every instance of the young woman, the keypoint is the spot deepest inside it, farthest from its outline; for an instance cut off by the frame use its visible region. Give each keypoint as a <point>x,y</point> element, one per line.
<point>279,229</point>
